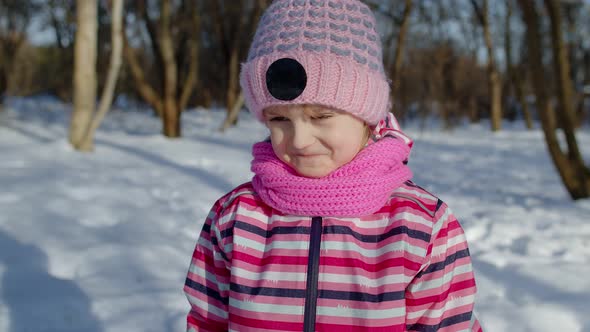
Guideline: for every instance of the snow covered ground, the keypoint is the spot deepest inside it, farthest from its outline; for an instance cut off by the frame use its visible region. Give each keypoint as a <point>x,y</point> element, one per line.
<point>101,242</point>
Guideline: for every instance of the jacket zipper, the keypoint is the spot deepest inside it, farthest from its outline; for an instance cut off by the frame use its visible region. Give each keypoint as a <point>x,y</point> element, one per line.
<point>313,271</point>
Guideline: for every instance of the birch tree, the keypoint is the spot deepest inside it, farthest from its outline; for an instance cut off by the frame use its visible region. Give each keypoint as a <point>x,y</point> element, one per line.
<point>86,118</point>
<point>85,50</point>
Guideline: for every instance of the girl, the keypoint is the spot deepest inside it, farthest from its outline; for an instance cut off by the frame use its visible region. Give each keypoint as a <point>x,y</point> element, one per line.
<point>330,234</point>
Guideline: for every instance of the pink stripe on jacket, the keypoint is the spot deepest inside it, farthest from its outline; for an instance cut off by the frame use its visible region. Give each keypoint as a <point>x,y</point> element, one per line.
<point>404,268</point>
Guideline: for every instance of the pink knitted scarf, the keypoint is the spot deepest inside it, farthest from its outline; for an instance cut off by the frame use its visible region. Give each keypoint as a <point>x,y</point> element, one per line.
<point>358,188</point>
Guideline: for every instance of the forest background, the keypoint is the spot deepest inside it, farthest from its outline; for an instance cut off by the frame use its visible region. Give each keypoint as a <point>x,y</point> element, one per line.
<point>121,123</point>
<point>456,60</point>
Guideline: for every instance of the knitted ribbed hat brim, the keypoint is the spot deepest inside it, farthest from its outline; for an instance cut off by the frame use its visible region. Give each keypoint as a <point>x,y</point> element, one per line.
<point>332,81</point>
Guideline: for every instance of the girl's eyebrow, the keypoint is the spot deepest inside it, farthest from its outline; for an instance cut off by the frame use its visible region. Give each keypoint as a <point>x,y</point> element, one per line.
<point>271,111</point>
<point>271,114</point>
<point>316,111</point>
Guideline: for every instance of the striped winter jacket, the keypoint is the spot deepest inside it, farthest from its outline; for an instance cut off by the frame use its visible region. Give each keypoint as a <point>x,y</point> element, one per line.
<point>404,268</point>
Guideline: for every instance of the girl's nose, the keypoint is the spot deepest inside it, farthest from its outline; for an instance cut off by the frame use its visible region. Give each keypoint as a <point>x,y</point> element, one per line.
<point>302,135</point>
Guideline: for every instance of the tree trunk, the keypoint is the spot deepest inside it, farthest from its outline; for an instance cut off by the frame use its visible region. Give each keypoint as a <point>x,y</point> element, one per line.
<point>401,38</point>
<point>193,74</point>
<point>513,75</point>
<point>449,109</point>
<point>574,174</point>
<point>520,95</point>
<point>561,67</point>
<point>152,30</point>
<point>232,85</point>
<point>495,84</point>
<point>232,117</point>
<point>494,79</point>
<point>3,81</point>
<point>106,100</point>
<point>84,69</point>
<point>232,50</point>
<point>192,78</point>
<point>144,89</point>
<point>171,110</point>
<point>566,97</point>
<point>167,99</point>
<point>2,86</point>
<point>472,109</point>
<point>9,46</point>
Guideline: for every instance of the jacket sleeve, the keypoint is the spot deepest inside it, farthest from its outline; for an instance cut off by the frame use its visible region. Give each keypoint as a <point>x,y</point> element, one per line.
<point>207,282</point>
<point>441,296</point>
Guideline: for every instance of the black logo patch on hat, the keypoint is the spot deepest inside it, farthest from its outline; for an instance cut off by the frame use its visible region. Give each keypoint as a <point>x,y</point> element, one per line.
<point>286,79</point>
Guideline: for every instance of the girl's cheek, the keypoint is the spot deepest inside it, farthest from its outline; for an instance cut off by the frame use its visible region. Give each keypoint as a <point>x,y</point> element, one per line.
<point>277,136</point>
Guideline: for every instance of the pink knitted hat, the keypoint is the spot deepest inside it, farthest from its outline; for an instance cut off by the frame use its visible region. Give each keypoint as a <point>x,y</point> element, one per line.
<point>325,52</point>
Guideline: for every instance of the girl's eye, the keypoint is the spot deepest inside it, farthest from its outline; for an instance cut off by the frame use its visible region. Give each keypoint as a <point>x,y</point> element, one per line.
<point>278,119</point>
<point>322,116</point>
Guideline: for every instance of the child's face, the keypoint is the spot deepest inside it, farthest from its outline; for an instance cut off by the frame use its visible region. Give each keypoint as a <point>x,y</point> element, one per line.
<point>313,139</point>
